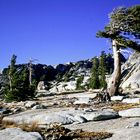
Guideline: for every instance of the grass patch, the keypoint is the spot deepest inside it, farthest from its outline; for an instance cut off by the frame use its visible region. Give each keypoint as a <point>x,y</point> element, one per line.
<point>94,135</point>
<point>123,106</point>
<point>25,127</point>
<point>62,133</point>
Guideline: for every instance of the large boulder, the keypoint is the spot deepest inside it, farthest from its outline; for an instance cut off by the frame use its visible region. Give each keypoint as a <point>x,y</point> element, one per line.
<point>18,134</point>
<point>126,134</point>
<point>41,86</point>
<point>131,100</point>
<point>41,117</point>
<point>64,86</point>
<point>101,115</point>
<point>133,112</point>
<point>65,116</point>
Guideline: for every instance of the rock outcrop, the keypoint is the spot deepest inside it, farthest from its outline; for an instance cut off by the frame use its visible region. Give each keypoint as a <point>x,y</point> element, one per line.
<point>63,116</point>
<point>131,73</point>
<point>18,134</point>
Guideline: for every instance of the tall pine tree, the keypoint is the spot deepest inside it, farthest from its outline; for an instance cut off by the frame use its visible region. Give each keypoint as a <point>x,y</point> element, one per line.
<point>94,80</point>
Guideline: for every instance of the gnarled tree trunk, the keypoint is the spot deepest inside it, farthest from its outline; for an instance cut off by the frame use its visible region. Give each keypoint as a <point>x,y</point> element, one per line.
<point>115,79</point>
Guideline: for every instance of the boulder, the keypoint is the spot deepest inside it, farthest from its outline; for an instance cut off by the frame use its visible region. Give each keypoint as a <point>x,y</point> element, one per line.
<point>44,93</point>
<point>101,115</point>
<point>18,134</point>
<point>41,86</point>
<point>65,116</point>
<point>131,100</point>
<point>117,98</point>
<point>40,106</point>
<point>133,112</point>
<point>82,100</point>
<point>30,104</point>
<point>126,134</point>
<point>56,118</point>
<point>41,117</point>
<point>80,119</point>
<point>64,86</point>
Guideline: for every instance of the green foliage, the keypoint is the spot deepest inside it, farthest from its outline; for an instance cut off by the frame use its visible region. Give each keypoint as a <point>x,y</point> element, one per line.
<point>124,27</point>
<point>102,70</point>
<point>18,88</point>
<point>79,82</point>
<point>98,72</point>
<point>94,80</point>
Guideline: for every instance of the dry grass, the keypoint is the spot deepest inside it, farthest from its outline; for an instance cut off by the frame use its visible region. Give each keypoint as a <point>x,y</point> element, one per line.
<point>62,132</point>
<point>25,127</point>
<point>122,106</point>
<point>94,135</point>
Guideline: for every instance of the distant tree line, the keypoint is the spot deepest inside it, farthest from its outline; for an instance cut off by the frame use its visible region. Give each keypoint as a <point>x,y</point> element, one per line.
<point>22,79</point>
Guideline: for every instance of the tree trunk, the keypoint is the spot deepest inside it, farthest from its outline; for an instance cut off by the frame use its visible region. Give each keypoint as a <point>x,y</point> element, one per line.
<point>10,83</point>
<point>115,79</point>
<point>10,78</point>
<point>30,72</point>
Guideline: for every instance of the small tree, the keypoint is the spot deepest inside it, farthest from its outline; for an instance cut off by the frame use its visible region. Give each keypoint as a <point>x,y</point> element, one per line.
<point>94,80</point>
<point>102,70</point>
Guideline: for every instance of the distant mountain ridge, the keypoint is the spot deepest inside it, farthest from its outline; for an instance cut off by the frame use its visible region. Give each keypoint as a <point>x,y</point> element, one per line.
<point>61,72</point>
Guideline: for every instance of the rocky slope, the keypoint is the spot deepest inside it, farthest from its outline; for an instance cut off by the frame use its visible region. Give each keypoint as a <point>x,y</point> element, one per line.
<point>131,73</point>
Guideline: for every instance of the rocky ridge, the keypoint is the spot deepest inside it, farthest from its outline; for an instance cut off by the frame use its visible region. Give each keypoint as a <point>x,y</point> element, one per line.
<point>73,110</point>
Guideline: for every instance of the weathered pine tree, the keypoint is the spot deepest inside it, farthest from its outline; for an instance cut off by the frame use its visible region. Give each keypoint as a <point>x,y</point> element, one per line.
<point>123,21</point>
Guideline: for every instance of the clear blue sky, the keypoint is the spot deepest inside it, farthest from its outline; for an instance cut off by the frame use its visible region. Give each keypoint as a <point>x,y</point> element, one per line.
<point>54,31</point>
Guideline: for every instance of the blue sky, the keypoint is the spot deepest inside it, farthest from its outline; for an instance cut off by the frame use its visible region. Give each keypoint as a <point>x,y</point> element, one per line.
<point>54,31</point>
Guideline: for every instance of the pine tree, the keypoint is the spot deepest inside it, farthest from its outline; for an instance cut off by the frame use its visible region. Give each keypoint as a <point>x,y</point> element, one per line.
<point>94,80</point>
<point>102,70</point>
<point>123,30</point>
<point>19,87</point>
